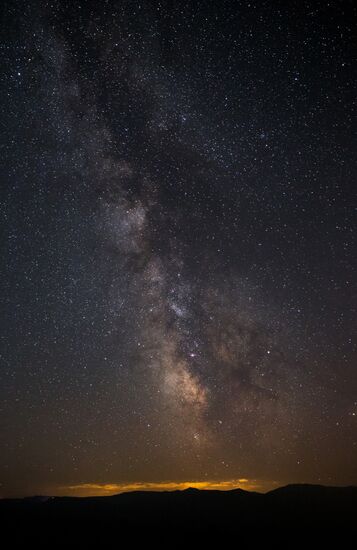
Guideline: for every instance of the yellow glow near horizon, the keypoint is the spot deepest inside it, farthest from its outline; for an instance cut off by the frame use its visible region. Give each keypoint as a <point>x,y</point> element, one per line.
<point>107,489</point>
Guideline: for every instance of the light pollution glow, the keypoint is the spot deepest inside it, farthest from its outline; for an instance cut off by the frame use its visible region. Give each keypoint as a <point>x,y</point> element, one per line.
<point>107,489</point>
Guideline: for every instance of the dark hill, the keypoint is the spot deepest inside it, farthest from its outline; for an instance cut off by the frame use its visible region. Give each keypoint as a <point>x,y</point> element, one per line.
<point>295,509</point>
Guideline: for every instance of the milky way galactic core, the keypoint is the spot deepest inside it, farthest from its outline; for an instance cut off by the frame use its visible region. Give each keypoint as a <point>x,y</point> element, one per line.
<point>178,237</point>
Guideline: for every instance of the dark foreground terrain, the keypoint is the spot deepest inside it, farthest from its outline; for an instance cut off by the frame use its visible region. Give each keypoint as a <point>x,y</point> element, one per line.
<point>295,510</point>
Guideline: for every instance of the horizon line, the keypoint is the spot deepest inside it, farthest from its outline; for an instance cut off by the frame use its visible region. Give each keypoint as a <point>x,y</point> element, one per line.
<point>91,489</point>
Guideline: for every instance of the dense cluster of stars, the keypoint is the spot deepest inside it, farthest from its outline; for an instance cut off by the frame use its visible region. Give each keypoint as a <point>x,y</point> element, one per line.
<point>179,245</point>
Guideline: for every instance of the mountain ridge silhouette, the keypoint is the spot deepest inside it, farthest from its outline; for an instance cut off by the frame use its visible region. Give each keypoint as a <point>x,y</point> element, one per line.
<point>291,509</point>
<point>291,487</point>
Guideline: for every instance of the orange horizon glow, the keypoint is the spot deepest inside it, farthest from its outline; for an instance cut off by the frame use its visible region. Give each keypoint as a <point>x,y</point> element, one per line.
<point>107,489</point>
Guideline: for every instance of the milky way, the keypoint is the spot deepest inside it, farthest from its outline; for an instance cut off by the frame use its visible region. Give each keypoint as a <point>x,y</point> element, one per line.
<point>179,251</point>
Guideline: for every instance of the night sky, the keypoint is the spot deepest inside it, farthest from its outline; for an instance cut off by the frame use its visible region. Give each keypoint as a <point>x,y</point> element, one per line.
<point>178,245</point>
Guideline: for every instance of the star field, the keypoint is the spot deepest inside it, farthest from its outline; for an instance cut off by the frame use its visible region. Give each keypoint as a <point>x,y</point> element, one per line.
<point>178,236</point>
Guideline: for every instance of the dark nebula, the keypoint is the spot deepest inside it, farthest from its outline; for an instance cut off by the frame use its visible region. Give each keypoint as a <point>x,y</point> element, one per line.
<point>178,239</point>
